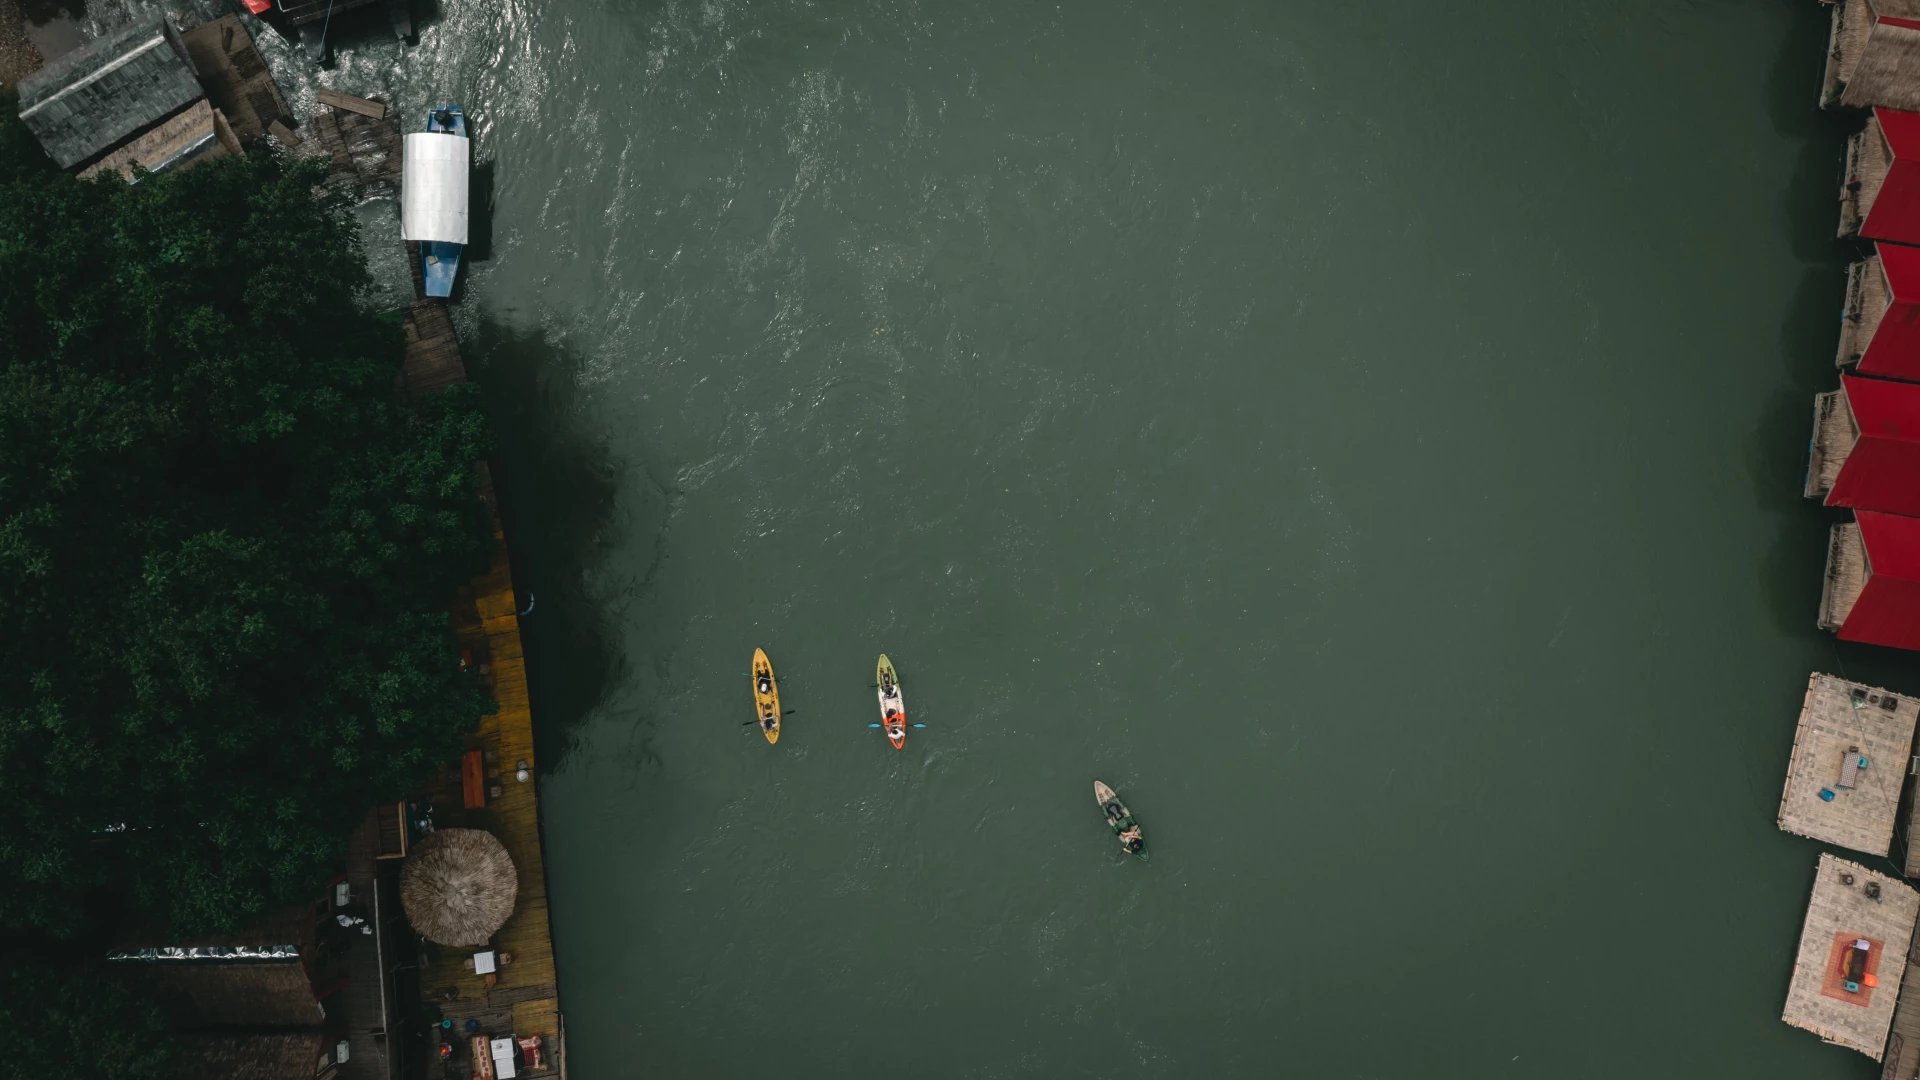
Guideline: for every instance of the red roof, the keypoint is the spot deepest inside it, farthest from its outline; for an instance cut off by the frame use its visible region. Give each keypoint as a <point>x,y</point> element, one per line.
<point>1888,610</point>
<point>1893,546</point>
<point>1902,266</point>
<point>1902,130</point>
<point>1882,470</point>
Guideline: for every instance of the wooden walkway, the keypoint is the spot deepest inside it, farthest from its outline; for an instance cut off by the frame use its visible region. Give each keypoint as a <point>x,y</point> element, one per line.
<point>1838,720</point>
<point>365,151</point>
<point>525,999</point>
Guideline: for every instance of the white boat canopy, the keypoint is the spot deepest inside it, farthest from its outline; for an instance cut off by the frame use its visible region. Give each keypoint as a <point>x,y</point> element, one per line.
<point>433,187</point>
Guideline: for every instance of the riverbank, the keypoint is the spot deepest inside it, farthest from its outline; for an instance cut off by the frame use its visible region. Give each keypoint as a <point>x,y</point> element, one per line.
<point>18,56</point>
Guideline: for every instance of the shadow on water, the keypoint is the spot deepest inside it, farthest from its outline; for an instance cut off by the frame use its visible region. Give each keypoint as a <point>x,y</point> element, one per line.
<point>557,488</point>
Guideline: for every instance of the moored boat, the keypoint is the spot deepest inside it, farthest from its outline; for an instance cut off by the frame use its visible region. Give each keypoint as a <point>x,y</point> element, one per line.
<point>434,196</point>
<point>1133,841</point>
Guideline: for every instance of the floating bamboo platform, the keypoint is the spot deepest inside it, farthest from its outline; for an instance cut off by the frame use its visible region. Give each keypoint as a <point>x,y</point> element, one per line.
<point>1841,722</point>
<point>525,998</point>
<point>1834,433</point>
<point>1868,159</point>
<point>1851,903</point>
<point>1868,297</point>
<point>1846,575</point>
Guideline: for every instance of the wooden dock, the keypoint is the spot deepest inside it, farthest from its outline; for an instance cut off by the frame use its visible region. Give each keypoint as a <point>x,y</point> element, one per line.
<point>1851,903</point>
<point>365,151</point>
<point>525,998</point>
<point>1841,720</point>
<point>236,77</point>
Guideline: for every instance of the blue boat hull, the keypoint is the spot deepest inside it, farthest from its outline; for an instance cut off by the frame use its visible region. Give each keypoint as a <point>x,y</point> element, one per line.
<point>439,265</point>
<point>439,260</point>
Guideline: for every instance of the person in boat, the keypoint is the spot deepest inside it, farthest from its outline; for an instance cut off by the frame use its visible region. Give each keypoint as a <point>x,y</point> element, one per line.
<point>1132,839</point>
<point>766,683</point>
<point>444,118</point>
<point>896,722</point>
<point>886,685</point>
<point>768,722</point>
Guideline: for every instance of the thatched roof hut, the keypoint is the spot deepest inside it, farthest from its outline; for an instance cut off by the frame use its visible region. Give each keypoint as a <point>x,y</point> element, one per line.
<point>1866,446</point>
<point>1873,55</point>
<point>1880,194</point>
<point>1872,587</point>
<point>459,886</point>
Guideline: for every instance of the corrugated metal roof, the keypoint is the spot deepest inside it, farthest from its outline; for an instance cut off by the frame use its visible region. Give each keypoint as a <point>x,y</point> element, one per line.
<point>89,100</point>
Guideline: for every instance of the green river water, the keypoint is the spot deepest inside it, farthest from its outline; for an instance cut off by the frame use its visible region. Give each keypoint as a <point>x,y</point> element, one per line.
<point>1368,436</point>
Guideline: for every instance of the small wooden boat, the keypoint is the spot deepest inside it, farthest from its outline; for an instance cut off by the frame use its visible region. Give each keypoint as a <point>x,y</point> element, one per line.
<point>1120,819</point>
<point>893,707</point>
<point>434,196</point>
<point>766,696</point>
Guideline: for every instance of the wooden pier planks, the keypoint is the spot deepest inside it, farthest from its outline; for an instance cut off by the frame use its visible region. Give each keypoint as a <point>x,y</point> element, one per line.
<point>366,152</point>
<point>373,108</point>
<point>235,77</point>
<point>525,998</point>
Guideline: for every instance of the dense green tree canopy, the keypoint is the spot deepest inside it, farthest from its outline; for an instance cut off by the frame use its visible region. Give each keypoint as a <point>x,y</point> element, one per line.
<point>227,543</point>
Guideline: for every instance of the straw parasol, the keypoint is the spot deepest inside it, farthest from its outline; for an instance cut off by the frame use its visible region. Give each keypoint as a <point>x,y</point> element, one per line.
<point>458,886</point>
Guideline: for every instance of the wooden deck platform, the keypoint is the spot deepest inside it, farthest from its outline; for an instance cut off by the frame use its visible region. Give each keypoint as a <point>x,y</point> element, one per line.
<point>236,77</point>
<point>365,151</point>
<point>1842,910</point>
<point>1868,297</point>
<point>525,999</point>
<point>1839,719</point>
<point>1834,433</point>
<point>1868,159</point>
<point>1847,573</point>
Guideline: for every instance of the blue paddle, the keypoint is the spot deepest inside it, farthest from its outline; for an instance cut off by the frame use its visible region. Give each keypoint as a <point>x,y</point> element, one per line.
<point>909,725</point>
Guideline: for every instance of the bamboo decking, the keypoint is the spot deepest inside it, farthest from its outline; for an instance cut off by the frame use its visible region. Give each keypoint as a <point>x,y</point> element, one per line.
<point>1834,433</point>
<point>1868,159</point>
<point>365,151</point>
<point>1839,719</point>
<point>1846,575</point>
<point>1868,297</point>
<point>236,78</point>
<point>525,999</point>
<point>1844,908</point>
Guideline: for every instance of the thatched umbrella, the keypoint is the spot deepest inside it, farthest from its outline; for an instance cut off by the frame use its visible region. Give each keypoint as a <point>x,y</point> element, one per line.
<point>458,886</point>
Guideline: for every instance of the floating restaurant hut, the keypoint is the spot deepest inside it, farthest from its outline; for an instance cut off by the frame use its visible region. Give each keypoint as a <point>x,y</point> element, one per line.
<point>1849,762</point>
<point>1872,587</point>
<point>1850,967</point>
<point>1865,451</point>
<point>1880,331</point>
<point>1873,55</point>
<point>125,98</point>
<point>459,886</point>
<point>1880,193</point>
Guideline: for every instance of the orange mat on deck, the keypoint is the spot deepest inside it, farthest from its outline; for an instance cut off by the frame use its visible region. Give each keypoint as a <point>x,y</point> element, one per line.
<point>1835,983</point>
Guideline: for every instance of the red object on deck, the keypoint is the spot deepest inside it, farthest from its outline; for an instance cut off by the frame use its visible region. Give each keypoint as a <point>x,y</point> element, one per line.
<point>1888,611</point>
<point>1895,211</point>
<point>1882,471</point>
<point>1894,349</point>
<point>258,7</point>
<point>473,780</point>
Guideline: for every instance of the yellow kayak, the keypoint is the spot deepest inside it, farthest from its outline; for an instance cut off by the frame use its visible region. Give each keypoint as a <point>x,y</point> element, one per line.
<point>766,696</point>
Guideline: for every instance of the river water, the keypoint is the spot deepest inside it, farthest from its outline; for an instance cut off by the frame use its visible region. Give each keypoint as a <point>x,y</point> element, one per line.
<point>1368,436</point>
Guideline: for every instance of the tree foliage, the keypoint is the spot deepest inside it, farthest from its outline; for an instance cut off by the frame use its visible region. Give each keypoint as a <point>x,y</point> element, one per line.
<point>81,1018</point>
<point>227,543</point>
